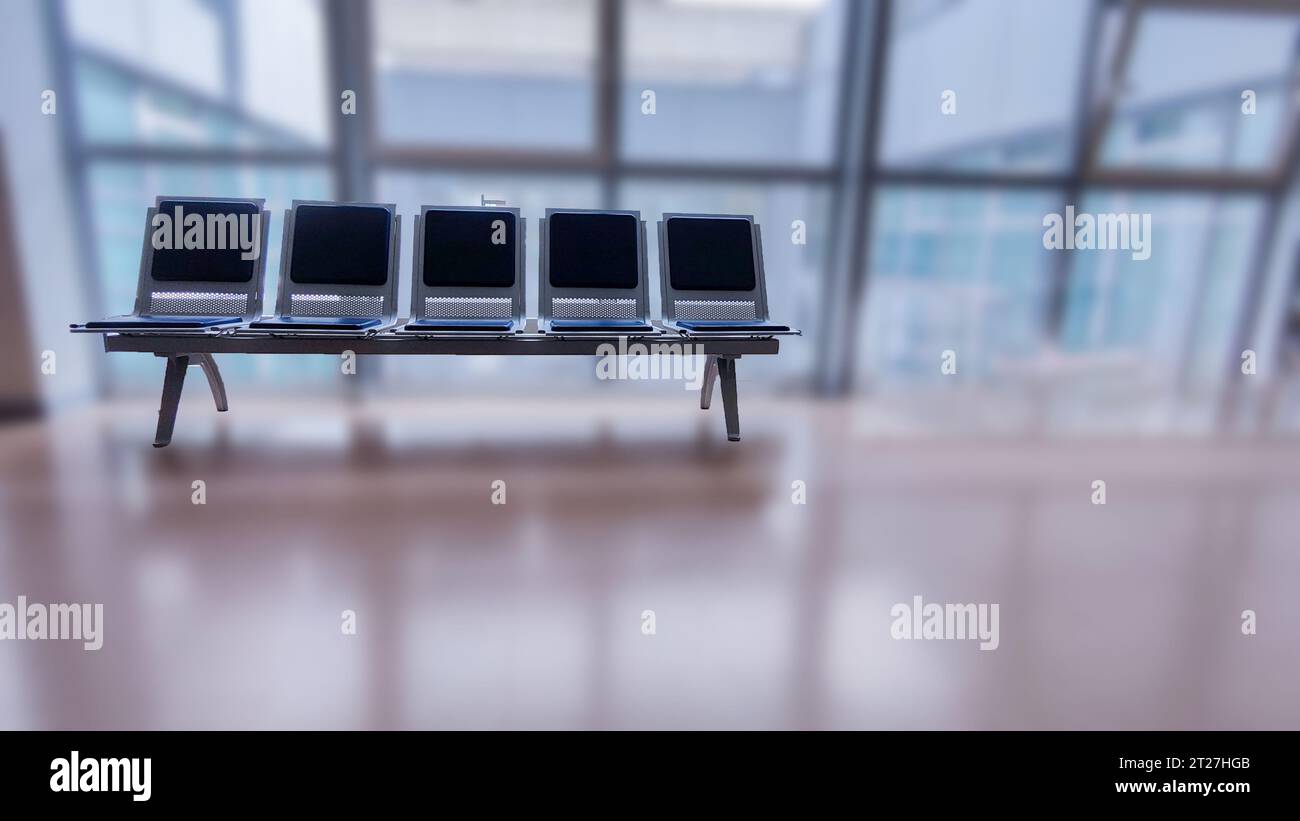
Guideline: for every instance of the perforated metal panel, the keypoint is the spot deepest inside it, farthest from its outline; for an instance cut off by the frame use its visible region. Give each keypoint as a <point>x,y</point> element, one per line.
<point>197,303</point>
<point>468,307</point>
<point>336,305</point>
<point>581,308</point>
<point>714,309</point>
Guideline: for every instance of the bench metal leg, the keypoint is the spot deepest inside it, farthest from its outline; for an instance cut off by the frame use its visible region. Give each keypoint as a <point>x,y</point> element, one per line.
<point>173,382</point>
<point>710,376</point>
<point>727,373</point>
<point>209,366</point>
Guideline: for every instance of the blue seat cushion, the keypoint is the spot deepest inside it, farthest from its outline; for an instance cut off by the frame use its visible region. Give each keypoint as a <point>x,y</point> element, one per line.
<point>599,325</point>
<point>315,323</point>
<point>753,326</point>
<point>461,325</point>
<point>129,322</point>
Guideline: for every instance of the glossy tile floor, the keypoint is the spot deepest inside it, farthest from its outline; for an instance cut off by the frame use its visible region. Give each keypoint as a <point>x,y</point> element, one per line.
<point>768,614</point>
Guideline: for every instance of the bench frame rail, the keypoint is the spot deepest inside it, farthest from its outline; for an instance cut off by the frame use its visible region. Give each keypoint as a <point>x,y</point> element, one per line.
<point>182,352</point>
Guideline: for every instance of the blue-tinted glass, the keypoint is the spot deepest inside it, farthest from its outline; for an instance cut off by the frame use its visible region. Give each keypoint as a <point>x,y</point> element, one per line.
<point>495,74</point>
<point>1173,312</point>
<point>970,275</point>
<point>983,85</point>
<point>732,82</point>
<point>161,73</point>
<point>1204,90</point>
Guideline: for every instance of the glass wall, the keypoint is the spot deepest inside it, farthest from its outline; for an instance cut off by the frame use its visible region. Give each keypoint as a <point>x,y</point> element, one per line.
<point>732,82</point>
<point>983,85</point>
<point>997,121</point>
<point>1187,84</point>
<point>991,116</point>
<point>486,74</point>
<point>186,72</point>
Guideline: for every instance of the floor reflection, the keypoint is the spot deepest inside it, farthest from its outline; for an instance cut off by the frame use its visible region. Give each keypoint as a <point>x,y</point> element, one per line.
<point>529,613</point>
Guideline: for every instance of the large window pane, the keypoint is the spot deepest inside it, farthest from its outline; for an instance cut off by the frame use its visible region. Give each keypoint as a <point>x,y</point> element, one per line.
<point>491,73</point>
<point>229,73</point>
<point>180,39</point>
<point>283,74</point>
<point>1156,334</point>
<point>1013,67</point>
<point>744,81</point>
<point>1181,103</point>
<point>1172,313</point>
<point>959,270</point>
